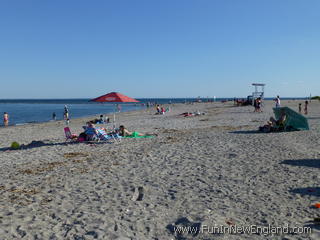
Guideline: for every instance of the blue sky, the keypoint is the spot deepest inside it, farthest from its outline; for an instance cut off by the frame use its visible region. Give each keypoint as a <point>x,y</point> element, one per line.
<point>158,48</point>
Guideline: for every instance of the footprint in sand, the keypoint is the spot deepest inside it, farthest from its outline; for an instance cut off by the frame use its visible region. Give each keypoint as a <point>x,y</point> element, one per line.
<point>138,194</point>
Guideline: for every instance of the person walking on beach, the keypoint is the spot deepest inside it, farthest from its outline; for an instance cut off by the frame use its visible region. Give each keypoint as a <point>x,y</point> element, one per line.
<point>66,112</point>
<point>118,108</point>
<point>306,107</point>
<point>277,101</point>
<point>5,118</point>
<point>54,116</point>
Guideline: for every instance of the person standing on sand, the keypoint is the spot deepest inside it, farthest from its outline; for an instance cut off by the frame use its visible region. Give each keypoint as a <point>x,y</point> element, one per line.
<point>66,112</point>
<point>277,101</point>
<point>300,108</point>
<point>54,116</point>
<point>306,107</point>
<point>5,119</point>
<point>259,103</point>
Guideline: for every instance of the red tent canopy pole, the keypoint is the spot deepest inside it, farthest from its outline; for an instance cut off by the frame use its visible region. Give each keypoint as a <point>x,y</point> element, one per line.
<point>114,97</point>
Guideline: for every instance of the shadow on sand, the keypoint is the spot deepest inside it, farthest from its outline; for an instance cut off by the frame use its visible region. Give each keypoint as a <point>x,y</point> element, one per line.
<point>303,162</point>
<point>37,144</point>
<point>313,225</point>
<point>246,132</point>
<point>308,191</point>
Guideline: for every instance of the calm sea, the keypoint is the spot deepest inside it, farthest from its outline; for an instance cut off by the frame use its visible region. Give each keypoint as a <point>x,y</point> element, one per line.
<point>22,111</point>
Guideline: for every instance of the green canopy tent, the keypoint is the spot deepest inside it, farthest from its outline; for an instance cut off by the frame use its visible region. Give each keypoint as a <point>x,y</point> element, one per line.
<point>294,120</point>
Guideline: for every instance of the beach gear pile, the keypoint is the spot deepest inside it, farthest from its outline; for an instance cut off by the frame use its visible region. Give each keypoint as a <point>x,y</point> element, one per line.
<point>293,121</point>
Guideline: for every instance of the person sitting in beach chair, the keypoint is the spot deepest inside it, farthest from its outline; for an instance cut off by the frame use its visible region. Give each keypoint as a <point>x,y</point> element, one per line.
<point>91,132</point>
<point>274,125</point>
<point>103,135</point>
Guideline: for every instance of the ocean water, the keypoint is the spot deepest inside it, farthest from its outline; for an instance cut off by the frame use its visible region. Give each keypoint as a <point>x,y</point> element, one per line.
<point>23,111</point>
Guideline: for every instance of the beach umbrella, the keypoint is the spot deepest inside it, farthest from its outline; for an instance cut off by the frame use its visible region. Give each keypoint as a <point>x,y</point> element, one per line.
<point>293,120</point>
<point>114,97</point>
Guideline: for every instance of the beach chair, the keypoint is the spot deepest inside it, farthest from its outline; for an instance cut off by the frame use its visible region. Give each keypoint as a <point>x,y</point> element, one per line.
<point>91,134</point>
<point>104,136</point>
<point>69,135</point>
<point>115,136</point>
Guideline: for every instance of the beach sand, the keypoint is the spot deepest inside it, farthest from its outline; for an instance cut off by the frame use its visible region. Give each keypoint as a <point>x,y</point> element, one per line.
<point>208,170</point>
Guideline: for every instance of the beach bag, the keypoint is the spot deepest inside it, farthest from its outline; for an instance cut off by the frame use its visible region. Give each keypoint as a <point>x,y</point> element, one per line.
<point>82,137</point>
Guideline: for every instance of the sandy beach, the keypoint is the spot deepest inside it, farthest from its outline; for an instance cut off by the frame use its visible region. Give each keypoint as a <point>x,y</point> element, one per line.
<point>209,170</point>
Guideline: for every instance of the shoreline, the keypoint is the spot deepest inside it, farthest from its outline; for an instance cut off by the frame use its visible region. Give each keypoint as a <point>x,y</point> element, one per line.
<point>61,120</point>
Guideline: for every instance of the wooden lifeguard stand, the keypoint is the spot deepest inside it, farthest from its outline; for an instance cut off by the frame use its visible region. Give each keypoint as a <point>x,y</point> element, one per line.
<point>258,91</point>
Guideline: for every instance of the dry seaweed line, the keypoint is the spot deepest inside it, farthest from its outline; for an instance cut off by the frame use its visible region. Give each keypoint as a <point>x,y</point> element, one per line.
<point>76,154</point>
<point>38,170</point>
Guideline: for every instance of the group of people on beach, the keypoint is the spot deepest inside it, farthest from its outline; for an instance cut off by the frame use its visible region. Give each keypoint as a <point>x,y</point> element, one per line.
<point>279,124</point>
<point>65,115</point>
<point>258,104</point>
<point>306,103</point>
<point>161,110</point>
<point>94,133</point>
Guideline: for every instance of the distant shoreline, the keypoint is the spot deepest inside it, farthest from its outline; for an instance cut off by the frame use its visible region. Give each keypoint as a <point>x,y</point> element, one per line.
<point>106,109</point>
<point>142,100</point>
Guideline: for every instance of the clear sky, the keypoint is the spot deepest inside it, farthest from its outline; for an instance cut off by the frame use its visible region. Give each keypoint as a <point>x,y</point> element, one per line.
<point>158,48</point>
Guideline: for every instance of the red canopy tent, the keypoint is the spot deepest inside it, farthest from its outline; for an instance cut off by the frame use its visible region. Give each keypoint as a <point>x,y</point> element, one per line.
<point>114,97</point>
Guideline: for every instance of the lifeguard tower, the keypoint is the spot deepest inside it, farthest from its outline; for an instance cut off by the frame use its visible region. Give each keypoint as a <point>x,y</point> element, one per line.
<point>258,91</point>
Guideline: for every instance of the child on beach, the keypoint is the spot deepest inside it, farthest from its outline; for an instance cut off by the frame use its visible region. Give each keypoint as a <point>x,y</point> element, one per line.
<point>158,109</point>
<point>306,107</point>
<point>5,119</point>
<point>106,119</point>
<point>101,119</point>
<point>277,100</point>
<point>299,107</point>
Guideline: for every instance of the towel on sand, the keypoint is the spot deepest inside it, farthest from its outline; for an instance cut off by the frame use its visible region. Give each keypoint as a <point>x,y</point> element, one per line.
<point>136,135</point>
